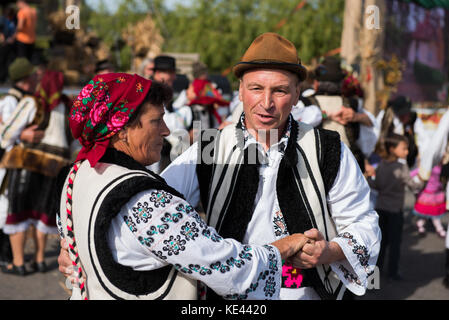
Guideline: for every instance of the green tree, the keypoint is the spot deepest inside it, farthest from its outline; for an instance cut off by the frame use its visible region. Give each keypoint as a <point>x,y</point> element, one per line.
<point>222,30</point>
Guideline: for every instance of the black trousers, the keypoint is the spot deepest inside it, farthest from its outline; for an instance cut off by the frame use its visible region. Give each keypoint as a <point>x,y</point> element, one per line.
<point>390,224</point>
<point>24,50</point>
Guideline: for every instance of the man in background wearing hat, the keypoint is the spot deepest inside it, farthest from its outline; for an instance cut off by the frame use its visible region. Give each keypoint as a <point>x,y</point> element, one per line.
<point>178,120</point>
<point>103,66</point>
<point>164,70</point>
<point>269,176</point>
<point>341,100</point>
<point>22,75</point>
<point>24,80</point>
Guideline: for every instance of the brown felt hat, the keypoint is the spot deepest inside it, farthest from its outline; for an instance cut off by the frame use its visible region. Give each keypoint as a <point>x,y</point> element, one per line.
<point>272,51</point>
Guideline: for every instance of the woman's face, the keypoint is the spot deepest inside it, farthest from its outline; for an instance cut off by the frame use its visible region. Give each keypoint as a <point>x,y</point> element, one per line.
<point>144,140</point>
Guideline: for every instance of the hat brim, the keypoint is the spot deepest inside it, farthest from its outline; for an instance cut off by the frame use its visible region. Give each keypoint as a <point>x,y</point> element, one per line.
<point>32,69</point>
<point>298,69</point>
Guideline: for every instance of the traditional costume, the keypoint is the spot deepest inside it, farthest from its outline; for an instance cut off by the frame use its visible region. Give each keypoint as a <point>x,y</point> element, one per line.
<point>264,201</point>
<point>207,97</point>
<point>134,236</point>
<point>431,202</point>
<point>32,167</point>
<point>436,153</point>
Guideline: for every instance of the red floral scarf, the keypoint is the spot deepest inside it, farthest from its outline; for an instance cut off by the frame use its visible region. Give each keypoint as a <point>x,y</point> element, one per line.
<point>103,108</point>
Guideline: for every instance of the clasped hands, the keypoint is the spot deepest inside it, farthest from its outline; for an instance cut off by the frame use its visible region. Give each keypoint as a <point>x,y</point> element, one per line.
<point>307,250</point>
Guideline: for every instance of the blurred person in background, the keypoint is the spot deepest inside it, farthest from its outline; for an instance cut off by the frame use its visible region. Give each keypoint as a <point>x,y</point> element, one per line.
<point>146,68</point>
<point>7,31</point>
<point>36,140</point>
<point>25,35</point>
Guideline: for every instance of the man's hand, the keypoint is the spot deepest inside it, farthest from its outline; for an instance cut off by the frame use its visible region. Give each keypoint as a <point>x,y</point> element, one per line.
<point>348,115</point>
<point>32,135</point>
<point>290,245</point>
<point>338,117</point>
<point>316,252</point>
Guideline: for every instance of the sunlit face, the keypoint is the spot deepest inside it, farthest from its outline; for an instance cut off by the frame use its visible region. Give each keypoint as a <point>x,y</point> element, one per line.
<point>268,96</point>
<point>401,150</point>
<point>145,140</point>
<point>167,77</point>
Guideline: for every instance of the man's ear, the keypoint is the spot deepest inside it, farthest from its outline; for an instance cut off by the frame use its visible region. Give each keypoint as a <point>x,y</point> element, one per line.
<point>298,93</point>
<point>240,89</point>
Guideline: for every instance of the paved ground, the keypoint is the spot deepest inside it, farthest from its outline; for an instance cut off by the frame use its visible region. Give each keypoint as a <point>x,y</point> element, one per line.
<point>36,286</point>
<point>422,265</point>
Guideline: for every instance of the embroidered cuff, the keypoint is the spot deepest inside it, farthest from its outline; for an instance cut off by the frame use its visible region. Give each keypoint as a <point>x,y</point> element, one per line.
<point>358,266</point>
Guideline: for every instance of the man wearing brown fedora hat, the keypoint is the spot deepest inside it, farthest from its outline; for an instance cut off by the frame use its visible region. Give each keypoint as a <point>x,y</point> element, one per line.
<point>270,176</point>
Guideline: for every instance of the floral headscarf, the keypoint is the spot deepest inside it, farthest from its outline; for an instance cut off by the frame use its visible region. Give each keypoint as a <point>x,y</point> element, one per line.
<point>206,93</point>
<point>49,91</point>
<point>103,108</point>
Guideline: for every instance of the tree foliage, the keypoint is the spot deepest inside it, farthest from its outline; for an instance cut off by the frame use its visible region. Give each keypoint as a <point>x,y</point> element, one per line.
<point>221,30</point>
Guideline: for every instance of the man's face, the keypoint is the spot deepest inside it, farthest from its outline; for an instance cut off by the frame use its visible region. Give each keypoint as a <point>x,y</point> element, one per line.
<point>268,96</point>
<point>167,77</point>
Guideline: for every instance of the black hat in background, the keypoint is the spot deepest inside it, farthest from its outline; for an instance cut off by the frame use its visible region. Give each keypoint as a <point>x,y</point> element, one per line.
<point>329,70</point>
<point>164,63</point>
<point>103,65</point>
<point>401,105</point>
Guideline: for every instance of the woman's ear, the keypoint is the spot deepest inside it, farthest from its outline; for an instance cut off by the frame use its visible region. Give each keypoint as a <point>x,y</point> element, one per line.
<point>123,135</point>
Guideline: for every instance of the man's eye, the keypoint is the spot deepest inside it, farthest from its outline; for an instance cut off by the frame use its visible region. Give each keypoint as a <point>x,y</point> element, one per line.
<point>281,91</point>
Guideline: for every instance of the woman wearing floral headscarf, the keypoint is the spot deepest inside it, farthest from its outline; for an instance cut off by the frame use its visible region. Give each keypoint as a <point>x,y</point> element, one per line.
<point>129,233</point>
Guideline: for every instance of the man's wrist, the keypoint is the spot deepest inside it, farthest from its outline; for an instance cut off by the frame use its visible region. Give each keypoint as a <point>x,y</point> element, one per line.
<point>335,253</point>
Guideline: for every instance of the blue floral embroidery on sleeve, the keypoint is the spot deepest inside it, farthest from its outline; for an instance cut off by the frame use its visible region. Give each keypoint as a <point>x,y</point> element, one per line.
<point>160,198</point>
<point>174,245</point>
<point>190,231</point>
<point>142,212</point>
<point>130,223</point>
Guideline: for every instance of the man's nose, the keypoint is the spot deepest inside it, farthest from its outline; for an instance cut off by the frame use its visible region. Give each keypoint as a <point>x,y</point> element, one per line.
<point>267,100</point>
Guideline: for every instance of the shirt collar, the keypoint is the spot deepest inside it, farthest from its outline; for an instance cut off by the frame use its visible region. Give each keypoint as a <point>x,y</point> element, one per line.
<point>281,145</point>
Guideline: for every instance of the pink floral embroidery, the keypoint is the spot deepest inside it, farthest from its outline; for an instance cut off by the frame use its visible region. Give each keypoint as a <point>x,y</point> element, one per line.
<point>292,277</point>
